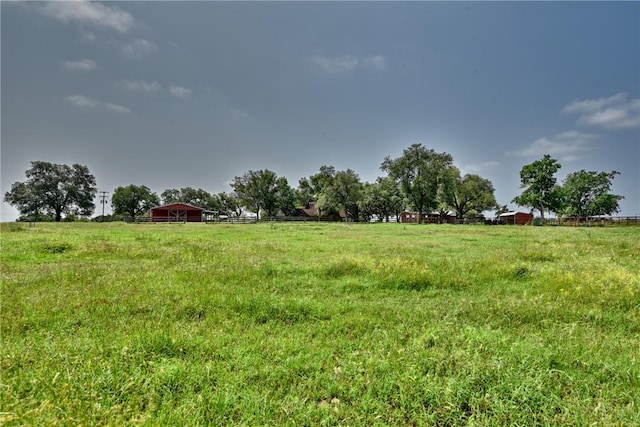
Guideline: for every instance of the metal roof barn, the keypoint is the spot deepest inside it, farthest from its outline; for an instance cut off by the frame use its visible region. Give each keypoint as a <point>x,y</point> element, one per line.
<point>515,218</point>
<point>176,212</point>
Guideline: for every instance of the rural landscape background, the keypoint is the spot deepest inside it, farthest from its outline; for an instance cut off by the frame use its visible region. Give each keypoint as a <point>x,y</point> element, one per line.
<point>319,323</point>
<point>175,95</point>
<point>360,110</point>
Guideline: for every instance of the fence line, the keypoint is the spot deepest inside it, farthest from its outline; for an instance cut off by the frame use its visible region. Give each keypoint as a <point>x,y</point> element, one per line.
<point>232,220</point>
<point>300,219</point>
<point>549,221</point>
<point>584,221</point>
<point>570,222</point>
<point>173,220</point>
<point>594,221</point>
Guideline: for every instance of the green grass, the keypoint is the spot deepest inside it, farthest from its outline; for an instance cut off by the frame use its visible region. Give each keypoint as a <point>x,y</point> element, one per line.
<point>319,324</point>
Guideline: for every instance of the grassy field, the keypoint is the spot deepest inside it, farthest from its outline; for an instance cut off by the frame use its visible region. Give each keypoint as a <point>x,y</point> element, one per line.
<point>319,324</point>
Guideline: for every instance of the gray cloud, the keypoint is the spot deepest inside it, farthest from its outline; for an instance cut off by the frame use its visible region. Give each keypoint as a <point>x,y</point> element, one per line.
<point>337,64</point>
<point>116,108</point>
<point>154,87</point>
<point>141,86</point>
<point>81,65</point>
<point>92,14</point>
<point>591,105</point>
<point>346,63</point>
<point>480,167</point>
<point>82,101</point>
<point>139,48</point>
<point>179,91</point>
<point>238,114</point>
<point>568,146</point>
<point>377,62</point>
<point>615,112</point>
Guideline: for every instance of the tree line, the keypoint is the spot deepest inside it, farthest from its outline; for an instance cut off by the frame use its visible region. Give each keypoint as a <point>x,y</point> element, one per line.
<point>421,180</point>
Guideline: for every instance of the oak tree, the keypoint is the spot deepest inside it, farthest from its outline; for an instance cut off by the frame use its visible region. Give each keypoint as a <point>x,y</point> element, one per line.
<point>133,200</point>
<point>587,193</point>
<point>541,191</point>
<point>264,191</point>
<point>418,172</point>
<point>54,189</point>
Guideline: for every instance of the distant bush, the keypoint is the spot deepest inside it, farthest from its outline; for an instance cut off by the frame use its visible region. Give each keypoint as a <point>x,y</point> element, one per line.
<point>103,218</point>
<point>108,218</point>
<point>36,218</point>
<point>11,226</point>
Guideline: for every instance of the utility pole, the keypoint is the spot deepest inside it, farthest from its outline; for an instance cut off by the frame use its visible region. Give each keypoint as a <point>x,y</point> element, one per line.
<point>103,201</point>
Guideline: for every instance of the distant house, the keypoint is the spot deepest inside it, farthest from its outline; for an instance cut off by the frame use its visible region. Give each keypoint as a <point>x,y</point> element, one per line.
<point>409,217</point>
<point>308,211</point>
<point>430,218</point>
<point>515,218</point>
<point>176,212</point>
<point>311,211</point>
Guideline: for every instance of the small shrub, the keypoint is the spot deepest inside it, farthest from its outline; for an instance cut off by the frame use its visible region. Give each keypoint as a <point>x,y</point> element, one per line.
<point>56,248</point>
<point>539,222</point>
<point>520,272</point>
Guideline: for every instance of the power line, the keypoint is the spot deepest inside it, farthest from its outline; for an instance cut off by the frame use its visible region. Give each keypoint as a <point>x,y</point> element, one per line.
<point>103,201</point>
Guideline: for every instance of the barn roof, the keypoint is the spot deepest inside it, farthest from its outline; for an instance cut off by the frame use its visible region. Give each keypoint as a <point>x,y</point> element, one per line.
<point>514,213</point>
<point>183,206</point>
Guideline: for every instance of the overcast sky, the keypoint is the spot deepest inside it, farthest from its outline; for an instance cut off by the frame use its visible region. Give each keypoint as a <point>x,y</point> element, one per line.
<point>177,94</point>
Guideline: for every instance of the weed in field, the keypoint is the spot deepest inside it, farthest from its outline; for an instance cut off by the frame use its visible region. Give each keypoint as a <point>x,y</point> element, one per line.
<point>56,248</point>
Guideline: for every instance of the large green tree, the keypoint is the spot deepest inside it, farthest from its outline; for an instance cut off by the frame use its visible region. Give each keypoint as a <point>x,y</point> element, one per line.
<point>471,194</point>
<point>225,204</point>
<point>541,191</point>
<point>446,191</point>
<point>323,179</point>
<point>230,204</point>
<point>264,191</point>
<point>392,199</point>
<point>587,193</point>
<point>381,199</point>
<point>133,200</point>
<point>54,189</point>
<point>418,172</point>
<point>170,196</point>
<point>345,192</point>
<point>305,193</point>
<point>318,186</point>
<point>196,197</point>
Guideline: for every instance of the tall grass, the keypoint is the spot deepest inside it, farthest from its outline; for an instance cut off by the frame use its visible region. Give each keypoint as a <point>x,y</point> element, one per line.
<point>315,324</point>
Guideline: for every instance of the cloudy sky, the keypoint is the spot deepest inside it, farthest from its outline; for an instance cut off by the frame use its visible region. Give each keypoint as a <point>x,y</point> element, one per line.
<point>175,94</point>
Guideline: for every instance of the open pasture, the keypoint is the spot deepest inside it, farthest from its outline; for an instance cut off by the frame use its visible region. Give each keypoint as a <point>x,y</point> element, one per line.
<point>319,324</point>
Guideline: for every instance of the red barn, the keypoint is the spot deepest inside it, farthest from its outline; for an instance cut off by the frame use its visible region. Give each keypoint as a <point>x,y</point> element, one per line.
<point>176,212</point>
<point>515,218</point>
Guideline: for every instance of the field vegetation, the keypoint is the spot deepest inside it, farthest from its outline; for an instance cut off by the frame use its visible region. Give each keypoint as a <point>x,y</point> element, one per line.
<point>319,324</point>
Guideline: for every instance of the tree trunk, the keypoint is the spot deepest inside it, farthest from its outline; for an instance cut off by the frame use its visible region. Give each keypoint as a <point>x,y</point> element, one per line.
<point>346,212</point>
